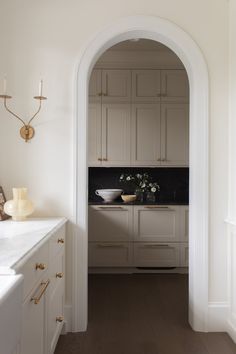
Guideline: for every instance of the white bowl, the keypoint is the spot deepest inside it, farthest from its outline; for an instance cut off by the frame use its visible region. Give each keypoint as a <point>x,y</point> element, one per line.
<point>109,194</point>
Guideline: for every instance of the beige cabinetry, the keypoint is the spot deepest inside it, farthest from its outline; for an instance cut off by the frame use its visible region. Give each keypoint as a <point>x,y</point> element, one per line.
<point>43,304</point>
<point>138,236</point>
<point>146,128</point>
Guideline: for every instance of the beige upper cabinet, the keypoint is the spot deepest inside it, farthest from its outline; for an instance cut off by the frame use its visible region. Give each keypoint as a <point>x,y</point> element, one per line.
<point>174,86</point>
<point>146,138</point>
<point>174,134</point>
<point>95,86</point>
<point>116,85</point>
<point>116,134</point>
<point>146,85</point>
<point>95,135</point>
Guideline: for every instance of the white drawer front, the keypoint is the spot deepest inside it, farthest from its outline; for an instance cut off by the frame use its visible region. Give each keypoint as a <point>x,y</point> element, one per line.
<point>57,242</point>
<point>184,254</point>
<point>55,317</point>
<point>104,254</point>
<point>34,268</point>
<point>110,223</point>
<point>156,255</point>
<point>156,223</point>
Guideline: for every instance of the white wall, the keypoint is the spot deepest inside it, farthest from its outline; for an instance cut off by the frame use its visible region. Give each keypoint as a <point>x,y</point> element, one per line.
<point>43,39</point>
<point>232,171</point>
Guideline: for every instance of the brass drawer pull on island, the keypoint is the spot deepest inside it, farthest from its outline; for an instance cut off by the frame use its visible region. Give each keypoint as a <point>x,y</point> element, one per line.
<point>161,208</point>
<point>61,240</point>
<point>40,266</point>
<point>44,287</point>
<point>112,208</point>
<point>60,319</point>
<point>59,275</point>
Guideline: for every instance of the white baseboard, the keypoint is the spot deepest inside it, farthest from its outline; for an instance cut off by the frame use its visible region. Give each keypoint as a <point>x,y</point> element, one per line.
<point>232,330</point>
<point>218,316</point>
<point>68,319</point>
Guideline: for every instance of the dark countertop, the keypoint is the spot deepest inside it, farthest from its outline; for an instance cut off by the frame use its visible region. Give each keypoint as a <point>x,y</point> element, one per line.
<point>120,202</point>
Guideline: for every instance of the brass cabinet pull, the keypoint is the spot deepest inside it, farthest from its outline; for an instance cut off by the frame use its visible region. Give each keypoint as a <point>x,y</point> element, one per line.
<point>112,208</point>
<point>61,240</point>
<point>59,275</point>
<point>60,319</point>
<point>156,246</point>
<point>40,266</point>
<point>110,245</point>
<point>105,159</point>
<point>44,286</point>
<point>99,159</point>
<point>162,208</point>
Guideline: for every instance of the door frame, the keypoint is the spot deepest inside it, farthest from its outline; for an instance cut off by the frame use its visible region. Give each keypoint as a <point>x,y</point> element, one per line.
<point>187,50</point>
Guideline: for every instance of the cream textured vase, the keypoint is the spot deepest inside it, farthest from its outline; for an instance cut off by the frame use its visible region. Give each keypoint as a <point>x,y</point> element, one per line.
<point>20,206</point>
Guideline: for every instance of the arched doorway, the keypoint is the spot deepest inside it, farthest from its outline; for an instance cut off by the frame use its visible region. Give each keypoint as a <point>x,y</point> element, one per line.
<point>186,49</point>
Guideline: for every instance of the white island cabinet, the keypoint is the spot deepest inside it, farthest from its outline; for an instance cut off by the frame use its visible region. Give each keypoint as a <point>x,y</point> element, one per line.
<point>36,250</point>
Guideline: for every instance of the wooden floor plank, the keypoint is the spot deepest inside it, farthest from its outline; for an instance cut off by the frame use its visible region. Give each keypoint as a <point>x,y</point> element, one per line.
<point>141,314</point>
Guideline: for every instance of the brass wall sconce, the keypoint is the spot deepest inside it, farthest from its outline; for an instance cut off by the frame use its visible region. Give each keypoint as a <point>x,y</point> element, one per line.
<point>27,131</point>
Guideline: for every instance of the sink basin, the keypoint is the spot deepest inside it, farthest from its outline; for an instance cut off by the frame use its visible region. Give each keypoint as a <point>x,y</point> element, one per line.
<point>109,195</point>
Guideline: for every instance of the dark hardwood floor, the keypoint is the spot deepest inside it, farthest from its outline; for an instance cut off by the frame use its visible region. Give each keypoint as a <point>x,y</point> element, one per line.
<point>141,314</point>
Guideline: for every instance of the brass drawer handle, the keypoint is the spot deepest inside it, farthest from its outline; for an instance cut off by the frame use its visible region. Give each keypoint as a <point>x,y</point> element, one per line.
<point>156,246</point>
<point>40,266</point>
<point>99,159</point>
<point>59,275</point>
<point>44,287</point>
<point>61,240</point>
<point>110,245</point>
<point>60,319</point>
<point>161,208</point>
<point>112,208</point>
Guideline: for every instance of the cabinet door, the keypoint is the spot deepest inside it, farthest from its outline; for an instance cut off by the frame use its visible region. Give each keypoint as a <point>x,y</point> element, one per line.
<point>95,134</point>
<point>116,123</point>
<point>116,85</point>
<point>156,255</point>
<point>34,324</point>
<point>55,316</point>
<point>156,223</point>
<point>146,130</point>
<point>174,134</point>
<point>105,254</point>
<point>184,223</point>
<point>174,86</point>
<point>110,223</point>
<point>184,255</point>
<point>146,85</point>
<point>95,86</point>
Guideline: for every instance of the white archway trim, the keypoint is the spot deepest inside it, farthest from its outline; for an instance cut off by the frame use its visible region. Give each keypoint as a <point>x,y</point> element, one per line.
<point>189,53</point>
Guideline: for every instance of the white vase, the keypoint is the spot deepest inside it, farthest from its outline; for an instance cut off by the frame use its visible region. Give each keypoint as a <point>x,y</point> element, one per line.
<point>20,206</point>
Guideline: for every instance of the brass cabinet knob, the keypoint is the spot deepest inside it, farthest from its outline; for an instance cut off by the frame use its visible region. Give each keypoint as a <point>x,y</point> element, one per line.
<point>40,266</point>
<point>163,160</point>
<point>60,319</point>
<point>59,275</point>
<point>99,159</point>
<point>105,159</point>
<point>61,240</point>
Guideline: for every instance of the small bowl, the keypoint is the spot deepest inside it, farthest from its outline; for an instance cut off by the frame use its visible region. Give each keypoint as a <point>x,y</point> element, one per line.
<point>128,198</point>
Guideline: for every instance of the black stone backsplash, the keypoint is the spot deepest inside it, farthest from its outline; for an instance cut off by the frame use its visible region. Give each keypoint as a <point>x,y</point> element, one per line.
<point>174,182</point>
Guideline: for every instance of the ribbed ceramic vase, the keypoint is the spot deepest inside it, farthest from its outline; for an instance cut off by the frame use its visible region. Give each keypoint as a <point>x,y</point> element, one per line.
<point>20,206</point>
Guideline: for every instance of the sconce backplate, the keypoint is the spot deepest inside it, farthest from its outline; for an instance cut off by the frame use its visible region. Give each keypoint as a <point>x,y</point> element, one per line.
<point>27,132</point>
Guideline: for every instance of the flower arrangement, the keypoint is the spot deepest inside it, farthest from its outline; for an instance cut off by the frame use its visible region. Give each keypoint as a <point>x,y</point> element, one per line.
<point>141,182</point>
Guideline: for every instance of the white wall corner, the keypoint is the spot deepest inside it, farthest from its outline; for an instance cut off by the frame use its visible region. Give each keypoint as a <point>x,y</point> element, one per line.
<point>218,316</point>
<point>68,319</point>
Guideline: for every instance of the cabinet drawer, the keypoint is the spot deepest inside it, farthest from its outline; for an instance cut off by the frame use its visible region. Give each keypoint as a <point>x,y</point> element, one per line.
<point>57,242</point>
<point>55,317</point>
<point>156,223</point>
<point>57,271</point>
<point>110,223</point>
<point>184,254</point>
<point>104,254</point>
<point>156,255</point>
<point>34,268</point>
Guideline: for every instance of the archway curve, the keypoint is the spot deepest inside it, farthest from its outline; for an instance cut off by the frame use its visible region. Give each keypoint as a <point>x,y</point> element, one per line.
<point>186,49</point>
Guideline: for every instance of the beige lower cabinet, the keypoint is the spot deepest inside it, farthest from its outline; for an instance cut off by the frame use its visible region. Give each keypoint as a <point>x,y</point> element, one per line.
<point>156,223</point>
<point>138,236</point>
<point>156,254</point>
<point>43,304</point>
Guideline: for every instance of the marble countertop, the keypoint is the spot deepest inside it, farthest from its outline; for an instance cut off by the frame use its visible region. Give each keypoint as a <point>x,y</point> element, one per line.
<point>120,202</point>
<point>18,238</point>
